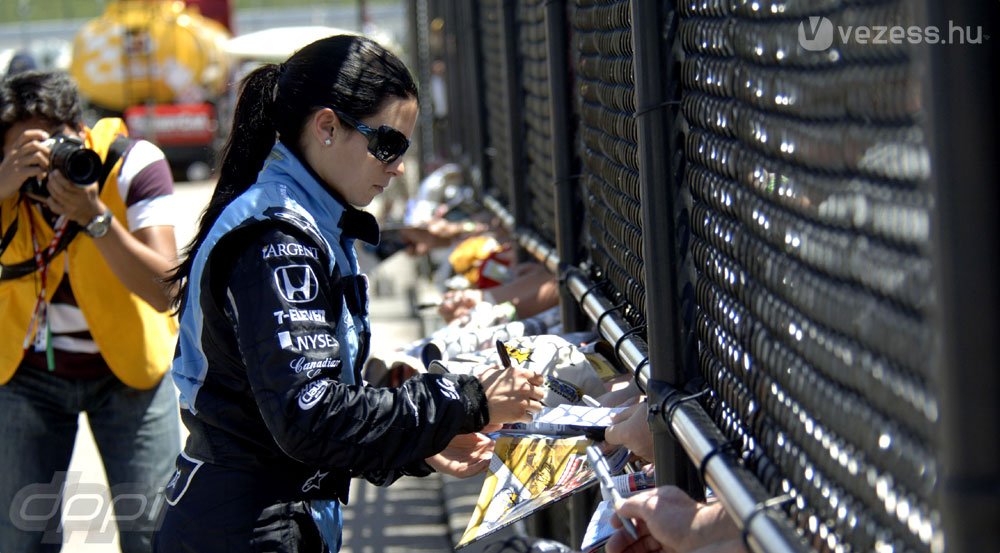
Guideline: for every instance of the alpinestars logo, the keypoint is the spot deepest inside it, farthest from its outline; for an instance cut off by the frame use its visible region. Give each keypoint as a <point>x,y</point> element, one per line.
<point>314,482</point>
<point>296,283</point>
<point>174,479</point>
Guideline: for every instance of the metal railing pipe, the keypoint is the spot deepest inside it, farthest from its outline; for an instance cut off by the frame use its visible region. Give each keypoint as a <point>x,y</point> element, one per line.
<point>528,239</point>
<point>742,495</point>
<point>500,211</point>
<point>537,248</point>
<point>738,489</point>
<point>631,349</point>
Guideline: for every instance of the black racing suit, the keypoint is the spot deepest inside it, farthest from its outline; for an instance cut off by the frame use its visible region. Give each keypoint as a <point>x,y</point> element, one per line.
<point>279,418</point>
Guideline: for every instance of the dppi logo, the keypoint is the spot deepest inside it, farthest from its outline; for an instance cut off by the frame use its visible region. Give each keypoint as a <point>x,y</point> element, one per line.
<point>817,35</point>
<point>85,507</point>
<point>296,283</point>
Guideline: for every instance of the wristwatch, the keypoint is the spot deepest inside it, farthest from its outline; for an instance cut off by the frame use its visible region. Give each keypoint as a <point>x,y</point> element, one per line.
<point>99,225</point>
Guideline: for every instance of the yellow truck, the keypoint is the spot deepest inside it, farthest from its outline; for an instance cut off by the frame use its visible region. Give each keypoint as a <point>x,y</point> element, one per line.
<point>163,67</point>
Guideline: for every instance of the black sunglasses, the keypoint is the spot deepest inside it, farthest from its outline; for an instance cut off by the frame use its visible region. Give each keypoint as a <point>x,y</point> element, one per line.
<point>385,142</point>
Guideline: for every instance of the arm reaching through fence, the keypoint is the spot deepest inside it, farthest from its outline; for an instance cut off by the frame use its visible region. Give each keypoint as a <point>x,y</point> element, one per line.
<point>532,291</point>
<point>630,429</point>
<point>439,233</point>
<point>669,520</point>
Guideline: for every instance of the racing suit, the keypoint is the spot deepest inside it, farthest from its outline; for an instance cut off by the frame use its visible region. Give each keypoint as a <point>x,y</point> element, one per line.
<point>274,332</point>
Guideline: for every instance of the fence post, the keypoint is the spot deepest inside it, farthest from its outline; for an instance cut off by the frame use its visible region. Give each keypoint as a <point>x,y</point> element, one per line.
<point>567,224</point>
<point>465,105</point>
<point>964,175</point>
<point>420,61</point>
<point>513,109</point>
<point>659,253</point>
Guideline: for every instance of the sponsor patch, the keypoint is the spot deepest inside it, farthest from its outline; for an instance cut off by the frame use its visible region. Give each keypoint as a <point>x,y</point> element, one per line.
<point>312,393</point>
<point>296,283</point>
<point>568,391</point>
<point>314,482</point>
<point>416,415</point>
<point>448,388</point>
<point>312,367</point>
<point>309,342</point>
<point>288,250</point>
<point>187,467</point>
<point>301,315</point>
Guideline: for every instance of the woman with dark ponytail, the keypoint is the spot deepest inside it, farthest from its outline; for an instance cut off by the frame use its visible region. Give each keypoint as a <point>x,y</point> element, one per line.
<point>274,322</point>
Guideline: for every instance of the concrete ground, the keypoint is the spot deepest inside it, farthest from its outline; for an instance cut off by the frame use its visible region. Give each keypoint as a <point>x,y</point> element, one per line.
<point>408,516</point>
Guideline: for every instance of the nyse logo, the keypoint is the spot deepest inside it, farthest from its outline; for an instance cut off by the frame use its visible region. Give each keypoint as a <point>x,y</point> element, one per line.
<point>296,283</point>
<point>307,342</point>
<point>288,250</point>
<point>299,315</point>
<point>312,393</point>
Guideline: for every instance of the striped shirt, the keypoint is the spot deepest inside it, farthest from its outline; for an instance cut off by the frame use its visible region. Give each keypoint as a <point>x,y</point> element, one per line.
<point>146,186</point>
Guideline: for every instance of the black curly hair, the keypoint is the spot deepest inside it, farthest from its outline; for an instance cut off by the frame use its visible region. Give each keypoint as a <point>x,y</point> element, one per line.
<point>47,95</point>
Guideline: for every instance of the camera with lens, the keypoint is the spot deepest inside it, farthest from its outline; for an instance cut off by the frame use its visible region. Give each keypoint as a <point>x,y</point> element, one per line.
<point>77,163</point>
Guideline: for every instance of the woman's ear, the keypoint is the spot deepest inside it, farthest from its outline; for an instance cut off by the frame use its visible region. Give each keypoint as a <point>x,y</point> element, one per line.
<point>324,125</point>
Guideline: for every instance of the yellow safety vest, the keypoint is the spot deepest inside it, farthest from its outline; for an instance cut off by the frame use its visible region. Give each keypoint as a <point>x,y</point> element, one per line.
<point>135,340</point>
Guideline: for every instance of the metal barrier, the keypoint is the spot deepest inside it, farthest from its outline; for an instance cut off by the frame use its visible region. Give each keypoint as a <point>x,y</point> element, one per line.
<point>767,214</point>
<point>811,265</point>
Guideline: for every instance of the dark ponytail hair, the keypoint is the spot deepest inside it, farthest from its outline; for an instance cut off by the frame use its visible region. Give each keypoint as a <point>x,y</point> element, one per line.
<point>350,73</point>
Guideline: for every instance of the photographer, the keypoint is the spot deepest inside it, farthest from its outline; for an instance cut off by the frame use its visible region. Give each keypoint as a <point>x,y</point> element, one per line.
<point>84,326</point>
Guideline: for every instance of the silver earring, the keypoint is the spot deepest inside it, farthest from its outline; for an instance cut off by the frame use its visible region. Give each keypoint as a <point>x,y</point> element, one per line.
<point>327,142</point>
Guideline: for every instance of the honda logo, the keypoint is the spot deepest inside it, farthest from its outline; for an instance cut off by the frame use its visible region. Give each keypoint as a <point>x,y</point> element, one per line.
<point>296,283</point>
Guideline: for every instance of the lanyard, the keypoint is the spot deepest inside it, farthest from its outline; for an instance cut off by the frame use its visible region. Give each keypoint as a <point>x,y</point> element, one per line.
<point>39,315</point>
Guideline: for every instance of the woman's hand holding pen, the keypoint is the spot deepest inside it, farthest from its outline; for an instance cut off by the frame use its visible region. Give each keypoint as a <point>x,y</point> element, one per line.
<point>513,394</point>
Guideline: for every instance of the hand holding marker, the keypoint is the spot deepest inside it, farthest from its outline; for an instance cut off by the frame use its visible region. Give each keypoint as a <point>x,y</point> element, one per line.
<point>506,363</point>
<point>550,381</point>
<point>504,356</point>
<point>608,490</point>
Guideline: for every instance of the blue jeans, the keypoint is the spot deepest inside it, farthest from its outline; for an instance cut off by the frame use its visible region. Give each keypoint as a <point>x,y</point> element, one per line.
<point>138,436</point>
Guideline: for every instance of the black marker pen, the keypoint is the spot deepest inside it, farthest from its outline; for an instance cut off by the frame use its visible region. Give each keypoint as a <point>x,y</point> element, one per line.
<point>504,356</point>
